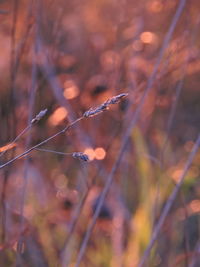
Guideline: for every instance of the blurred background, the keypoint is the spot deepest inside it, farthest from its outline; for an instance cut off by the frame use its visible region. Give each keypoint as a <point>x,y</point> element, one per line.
<point>66,57</point>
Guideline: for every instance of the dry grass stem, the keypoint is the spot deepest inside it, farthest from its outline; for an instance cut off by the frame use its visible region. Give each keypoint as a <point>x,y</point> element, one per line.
<point>105,191</point>
<point>88,113</point>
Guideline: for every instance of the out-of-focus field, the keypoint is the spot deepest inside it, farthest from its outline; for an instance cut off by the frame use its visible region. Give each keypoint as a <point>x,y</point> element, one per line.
<point>70,56</point>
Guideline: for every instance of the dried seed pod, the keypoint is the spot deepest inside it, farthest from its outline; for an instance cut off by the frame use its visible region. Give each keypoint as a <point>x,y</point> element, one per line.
<point>81,156</point>
<point>94,111</point>
<point>104,106</point>
<point>39,116</point>
<point>91,112</point>
<point>116,99</point>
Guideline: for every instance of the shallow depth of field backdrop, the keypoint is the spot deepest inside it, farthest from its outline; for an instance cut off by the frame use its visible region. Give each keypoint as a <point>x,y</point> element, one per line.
<point>136,202</point>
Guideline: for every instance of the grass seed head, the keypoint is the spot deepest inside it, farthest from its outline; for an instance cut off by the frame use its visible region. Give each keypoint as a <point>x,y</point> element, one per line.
<point>104,106</point>
<point>80,155</point>
<point>39,116</point>
<point>116,99</point>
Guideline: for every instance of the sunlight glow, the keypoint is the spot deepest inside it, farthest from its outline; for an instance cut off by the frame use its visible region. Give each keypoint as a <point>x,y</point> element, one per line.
<point>70,90</point>
<point>58,115</point>
<point>177,174</point>
<point>90,152</point>
<point>100,153</point>
<point>156,6</point>
<point>147,37</point>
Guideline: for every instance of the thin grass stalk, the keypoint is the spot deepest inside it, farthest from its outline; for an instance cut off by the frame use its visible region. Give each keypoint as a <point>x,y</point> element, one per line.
<point>179,86</point>
<point>31,105</point>
<point>25,130</point>
<point>10,123</point>
<point>40,144</point>
<point>170,202</point>
<point>77,214</point>
<point>195,257</point>
<point>89,113</point>
<point>135,116</point>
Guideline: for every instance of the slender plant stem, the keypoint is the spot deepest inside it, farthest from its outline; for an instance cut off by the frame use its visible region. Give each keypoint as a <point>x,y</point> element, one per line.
<point>126,137</point>
<point>17,138</point>
<point>98,209</point>
<point>77,213</point>
<point>41,143</point>
<point>32,89</point>
<point>54,151</point>
<point>170,202</point>
<point>194,260</point>
<point>89,113</point>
